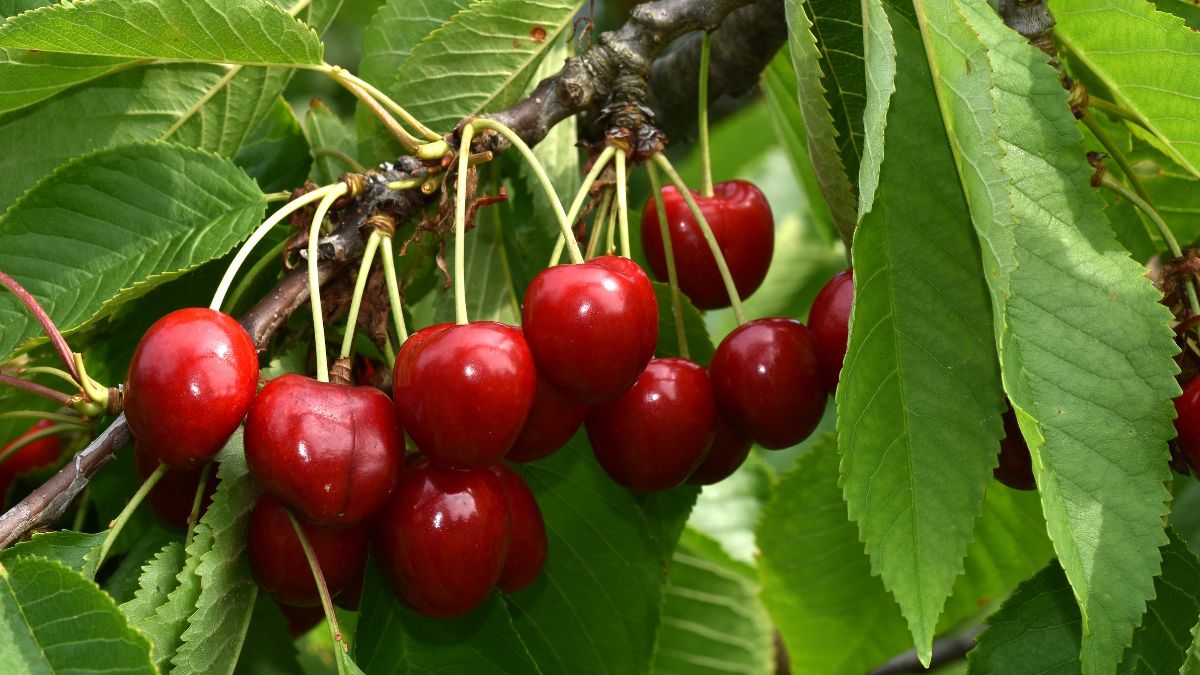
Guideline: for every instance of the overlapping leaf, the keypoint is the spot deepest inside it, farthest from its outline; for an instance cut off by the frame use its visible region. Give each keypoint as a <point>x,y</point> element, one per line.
<point>838,29</point>
<point>327,135</point>
<point>29,77</point>
<point>396,29</point>
<point>276,154</point>
<point>78,551</point>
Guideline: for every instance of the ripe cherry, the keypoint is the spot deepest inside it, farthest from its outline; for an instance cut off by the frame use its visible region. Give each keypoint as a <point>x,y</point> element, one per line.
<point>278,562</point>
<point>29,457</point>
<point>1016,466</point>
<point>729,450</point>
<point>527,533</point>
<point>741,222</point>
<point>553,420</point>
<point>329,452</point>
<point>300,620</point>
<point>591,327</point>
<point>655,435</point>
<point>443,537</point>
<point>1187,424</point>
<point>463,392</point>
<point>829,321</point>
<point>190,383</point>
<point>767,379</point>
<point>172,497</point>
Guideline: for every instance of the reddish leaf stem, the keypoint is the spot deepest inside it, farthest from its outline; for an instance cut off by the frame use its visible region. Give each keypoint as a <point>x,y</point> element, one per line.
<point>52,332</point>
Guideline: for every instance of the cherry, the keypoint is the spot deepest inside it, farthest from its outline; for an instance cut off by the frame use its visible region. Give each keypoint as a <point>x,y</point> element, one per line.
<point>329,452</point>
<point>591,327</point>
<point>729,450</point>
<point>351,596</point>
<point>173,495</point>
<point>1016,466</point>
<point>1187,424</point>
<point>35,455</point>
<point>527,533</point>
<point>300,620</point>
<point>463,392</point>
<point>443,537</point>
<point>829,321</point>
<point>553,420</point>
<point>278,562</point>
<point>655,435</point>
<point>190,383</point>
<point>741,222</point>
<point>767,379</point>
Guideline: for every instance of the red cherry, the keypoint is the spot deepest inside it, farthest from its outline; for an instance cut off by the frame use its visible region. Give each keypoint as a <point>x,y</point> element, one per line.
<point>767,379</point>
<point>443,537</point>
<point>741,222</point>
<point>463,392</point>
<point>553,420</point>
<point>655,435</point>
<point>300,620</point>
<point>172,497</point>
<point>592,327</point>
<point>351,596</point>
<point>729,450</point>
<point>190,384</point>
<point>829,321</point>
<point>35,455</point>
<point>1016,466</point>
<point>329,452</point>
<point>278,562</point>
<point>527,533</point>
<point>1187,424</point>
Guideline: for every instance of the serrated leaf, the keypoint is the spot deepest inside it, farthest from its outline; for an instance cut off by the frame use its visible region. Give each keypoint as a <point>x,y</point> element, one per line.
<point>123,583</point>
<point>837,27</point>
<point>880,60</point>
<point>1145,58</point>
<point>1085,347</point>
<point>231,110</point>
<point>396,29</point>
<point>921,336</point>
<point>75,550</point>
<point>1184,9</point>
<point>276,153</point>
<point>327,133</point>
<point>54,620</point>
<point>249,32</point>
<point>158,578</point>
<point>729,511</point>
<point>149,213</point>
<point>713,621</point>
<point>28,77</point>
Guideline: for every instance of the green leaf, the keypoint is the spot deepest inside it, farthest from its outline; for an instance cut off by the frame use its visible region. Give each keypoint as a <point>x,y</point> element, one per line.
<point>838,29</point>
<point>713,621</point>
<point>1184,9</point>
<point>728,511</point>
<point>75,550</point>
<point>700,346</point>
<point>248,32</point>
<point>54,620</point>
<point>148,214</point>
<point>396,29</point>
<point>1085,346</point>
<point>125,580</point>
<point>165,623</point>
<point>921,335</point>
<point>269,648</point>
<point>880,61</point>
<point>160,576</point>
<point>490,292</point>
<point>1144,57</point>
<point>1161,644</point>
<point>326,134</point>
<point>28,77</point>
<point>276,154</point>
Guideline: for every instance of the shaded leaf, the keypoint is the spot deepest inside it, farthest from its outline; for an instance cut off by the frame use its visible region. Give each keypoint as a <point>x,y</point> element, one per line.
<point>75,550</point>
<point>276,154</point>
<point>728,511</point>
<point>28,77</point>
<point>838,29</point>
<point>327,134</point>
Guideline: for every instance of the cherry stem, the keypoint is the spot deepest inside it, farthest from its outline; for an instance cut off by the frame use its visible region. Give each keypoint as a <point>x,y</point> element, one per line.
<point>669,251</point>
<point>706,181</point>
<point>389,353</point>
<point>281,196</point>
<point>234,298</point>
<point>413,122</point>
<point>355,86</point>
<point>540,171</point>
<point>114,530</point>
<point>598,223</point>
<point>243,253</point>
<point>91,388</point>
<point>460,227</point>
<point>393,287</point>
<point>734,300</point>
<point>407,184</point>
<point>314,281</point>
<point>623,206</point>
<point>194,515</point>
<point>38,389</point>
<point>38,435</point>
<point>341,156</point>
<point>360,285</point>
<point>44,415</point>
<point>60,374</point>
<point>322,591</point>
<point>585,188</point>
<point>610,220</point>
<point>1089,121</point>
<point>52,332</point>
<point>1113,109</point>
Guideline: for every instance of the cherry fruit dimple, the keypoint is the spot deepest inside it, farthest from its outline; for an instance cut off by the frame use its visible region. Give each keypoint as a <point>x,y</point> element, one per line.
<point>553,420</point>
<point>730,448</point>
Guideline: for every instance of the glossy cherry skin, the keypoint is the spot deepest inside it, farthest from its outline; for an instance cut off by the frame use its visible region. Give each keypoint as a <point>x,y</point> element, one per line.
<point>768,381</point>
<point>730,448</point>
<point>32,456</point>
<point>173,495</point>
<point>1187,424</point>
<point>190,383</point>
<point>592,327</point>
<point>278,562</point>
<point>743,226</point>
<point>552,421</point>
<point>829,321</point>
<point>463,392</point>
<point>527,533</point>
<point>1016,466</point>
<point>300,620</point>
<point>329,452</point>
<point>443,537</point>
<point>655,435</point>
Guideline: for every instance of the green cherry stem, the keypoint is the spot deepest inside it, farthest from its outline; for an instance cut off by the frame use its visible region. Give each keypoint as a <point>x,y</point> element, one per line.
<point>283,212</point>
<point>81,511</point>
<point>371,89</point>
<point>1089,121</point>
<point>734,300</point>
<point>36,436</point>
<point>360,285</point>
<point>60,374</point>
<point>460,227</point>
<point>314,282</point>
<point>623,206</point>
<point>281,196</point>
<point>1114,110</point>
<point>341,156</point>
<point>239,291</point>
<point>393,287</point>
<point>194,515</point>
<point>610,227</point>
<point>114,530</point>
<point>581,194</point>
<point>706,181</point>
<point>669,251</point>
<point>61,418</point>
<point>91,388</point>
<point>598,223</point>
<point>323,591</point>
